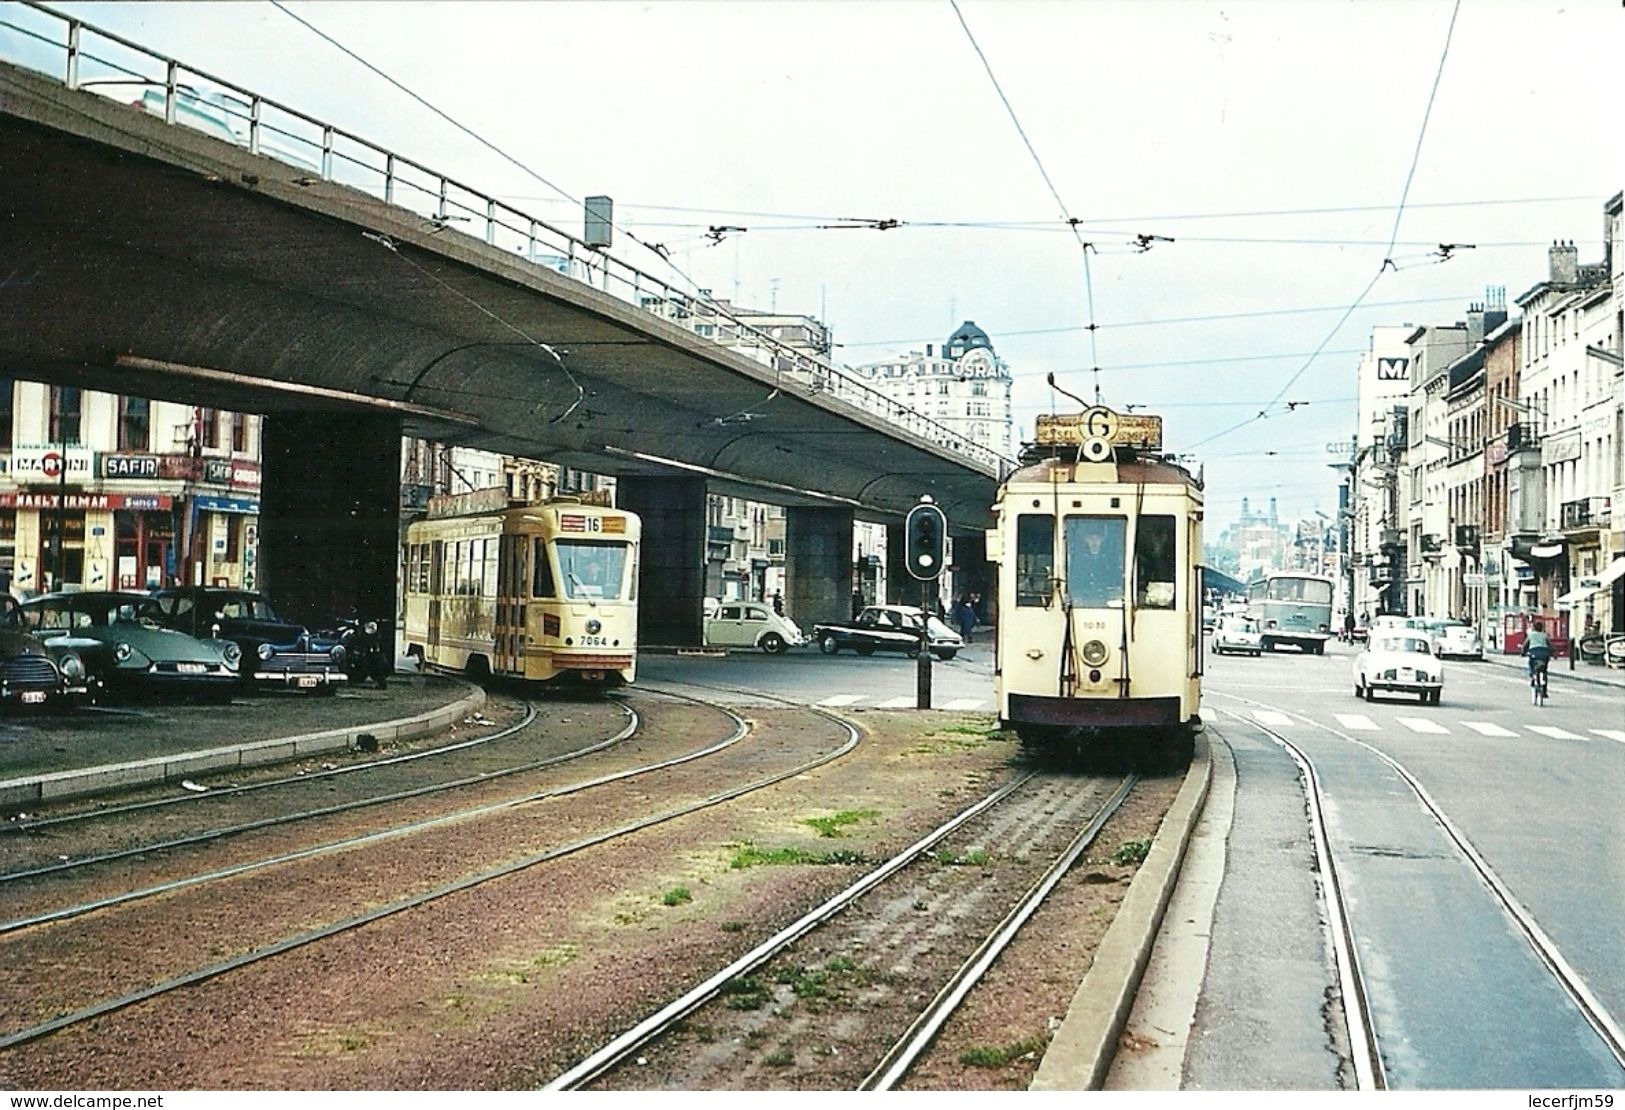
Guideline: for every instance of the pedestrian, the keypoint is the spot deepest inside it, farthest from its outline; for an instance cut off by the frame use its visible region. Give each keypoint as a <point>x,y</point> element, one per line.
<point>965,617</point>
<point>778,603</point>
<point>1095,571</point>
<point>857,601</point>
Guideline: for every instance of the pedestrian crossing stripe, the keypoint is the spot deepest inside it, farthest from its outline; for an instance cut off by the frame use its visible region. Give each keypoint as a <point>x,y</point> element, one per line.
<point>1422,724</point>
<point>1611,734</point>
<point>841,699</point>
<point>1356,722</point>
<point>1486,728</point>
<point>897,703</point>
<point>1270,717</point>
<point>1554,732</point>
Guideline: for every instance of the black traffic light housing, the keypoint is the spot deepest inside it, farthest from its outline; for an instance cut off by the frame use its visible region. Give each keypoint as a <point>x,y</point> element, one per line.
<point>927,534</point>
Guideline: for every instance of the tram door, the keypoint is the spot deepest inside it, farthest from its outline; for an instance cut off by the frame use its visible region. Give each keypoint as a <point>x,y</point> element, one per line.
<point>512,580</point>
<point>437,579</point>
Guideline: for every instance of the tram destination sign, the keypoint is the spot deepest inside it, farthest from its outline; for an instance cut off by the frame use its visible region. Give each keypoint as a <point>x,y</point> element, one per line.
<point>1116,428</point>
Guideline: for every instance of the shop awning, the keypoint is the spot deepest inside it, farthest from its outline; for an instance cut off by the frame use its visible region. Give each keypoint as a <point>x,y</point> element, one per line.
<point>1612,573</point>
<point>1546,551</point>
<point>1568,600</point>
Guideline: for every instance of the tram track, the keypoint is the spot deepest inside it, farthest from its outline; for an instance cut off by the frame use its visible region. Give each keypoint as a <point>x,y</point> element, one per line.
<point>261,952</point>
<point>607,1062</point>
<point>1365,1036</point>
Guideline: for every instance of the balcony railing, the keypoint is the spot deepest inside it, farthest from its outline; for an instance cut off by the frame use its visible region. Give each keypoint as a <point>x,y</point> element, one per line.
<point>1587,512</point>
<point>82,55</point>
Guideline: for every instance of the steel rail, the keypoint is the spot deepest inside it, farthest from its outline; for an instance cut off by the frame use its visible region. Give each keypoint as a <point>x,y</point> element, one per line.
<point>1365,1047</point>
<point>1603,1023</point>
<point>919,1035</point>
<point>365,839</point>
<point>596,1064</point>
<point>350,924</point>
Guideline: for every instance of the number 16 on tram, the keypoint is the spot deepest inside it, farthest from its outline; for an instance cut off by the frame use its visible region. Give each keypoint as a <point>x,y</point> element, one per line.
<point>542,592</point>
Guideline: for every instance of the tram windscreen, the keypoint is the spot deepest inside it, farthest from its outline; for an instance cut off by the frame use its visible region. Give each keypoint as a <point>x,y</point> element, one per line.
<point>1094,560</point>
<point>1035,559</point>
<point>592,571</point>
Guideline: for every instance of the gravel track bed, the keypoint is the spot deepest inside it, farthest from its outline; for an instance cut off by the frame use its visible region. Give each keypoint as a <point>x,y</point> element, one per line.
<point>506,985</point>
<point>153,939</point>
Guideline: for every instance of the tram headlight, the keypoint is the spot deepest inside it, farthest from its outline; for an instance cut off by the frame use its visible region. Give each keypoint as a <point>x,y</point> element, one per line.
<point>1094,653</point>
<point>594,627</point>
<point>370,628</point>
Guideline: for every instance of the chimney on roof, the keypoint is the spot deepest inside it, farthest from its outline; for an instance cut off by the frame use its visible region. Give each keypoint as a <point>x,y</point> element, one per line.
<point>1273,517</point>
<point>928,350</point>
<point>1564,261</point>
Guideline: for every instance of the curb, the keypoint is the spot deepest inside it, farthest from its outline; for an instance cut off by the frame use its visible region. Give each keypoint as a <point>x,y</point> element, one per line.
<point>1514,662</point>
<point>1080,1054</point>
<point>18,793</point>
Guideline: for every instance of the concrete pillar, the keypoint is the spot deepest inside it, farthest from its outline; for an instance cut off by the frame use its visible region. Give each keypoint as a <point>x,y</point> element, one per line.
<point>902,588</point>
<point>671,583</point>
<point>329,525</point>
<point>818,565</point>
<point>973,574</point>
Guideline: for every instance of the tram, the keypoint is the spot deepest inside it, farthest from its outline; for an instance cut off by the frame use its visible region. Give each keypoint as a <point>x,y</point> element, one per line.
<point>1098,541</point>
<point>541,592</point>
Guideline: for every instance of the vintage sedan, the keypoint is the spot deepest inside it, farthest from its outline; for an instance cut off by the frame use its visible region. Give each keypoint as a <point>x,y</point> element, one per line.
<point>32,671</point>
<point>1457,641</point>
<point>275,652</point>
<point>129,650</point>
<point>887,628</point>
<point>1238,636</point>
<point>1399,661</point>
<point>751,624</point>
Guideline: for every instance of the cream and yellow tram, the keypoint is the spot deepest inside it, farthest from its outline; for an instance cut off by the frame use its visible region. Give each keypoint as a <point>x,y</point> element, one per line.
<point>543,592</point>
<point>1098,541</point>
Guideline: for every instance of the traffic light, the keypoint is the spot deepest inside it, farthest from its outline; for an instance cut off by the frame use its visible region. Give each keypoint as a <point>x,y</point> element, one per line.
<point>927,534</point>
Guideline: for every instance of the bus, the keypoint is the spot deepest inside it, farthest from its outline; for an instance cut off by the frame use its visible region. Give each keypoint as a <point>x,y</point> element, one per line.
<point>1293,610</point>
<point>545,593</point>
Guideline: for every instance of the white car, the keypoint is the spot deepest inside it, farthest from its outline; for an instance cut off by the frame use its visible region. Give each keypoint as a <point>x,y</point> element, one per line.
<point>1458,641</point>
<point>751,624</point>
<point>1238,635</point>
<point>1399,661</point>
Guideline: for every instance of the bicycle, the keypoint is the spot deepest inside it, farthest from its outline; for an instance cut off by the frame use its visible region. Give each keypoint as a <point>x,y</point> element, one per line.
<point>1537,683</point>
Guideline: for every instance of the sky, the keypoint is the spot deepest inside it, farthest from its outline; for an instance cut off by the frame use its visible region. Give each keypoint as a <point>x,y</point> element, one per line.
<point>1263,149</point>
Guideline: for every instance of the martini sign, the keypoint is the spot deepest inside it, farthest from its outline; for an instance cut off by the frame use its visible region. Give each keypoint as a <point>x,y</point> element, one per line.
<point>45,464</point>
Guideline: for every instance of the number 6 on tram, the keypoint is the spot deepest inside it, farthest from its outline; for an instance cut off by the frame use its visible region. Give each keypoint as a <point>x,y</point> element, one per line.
<point>1098,541</point>
<point>541,592</point>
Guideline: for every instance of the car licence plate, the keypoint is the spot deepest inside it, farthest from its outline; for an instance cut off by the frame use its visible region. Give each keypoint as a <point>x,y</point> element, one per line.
<point>33,697</point>
<point>307,681</point>
<point>190,668</point>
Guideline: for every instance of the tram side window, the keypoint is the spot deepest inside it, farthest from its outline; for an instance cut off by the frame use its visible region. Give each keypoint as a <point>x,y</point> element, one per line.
<point>1154,564</point>
<point>488,582</point>
<point>1035,559</point>
<point>541,582</point>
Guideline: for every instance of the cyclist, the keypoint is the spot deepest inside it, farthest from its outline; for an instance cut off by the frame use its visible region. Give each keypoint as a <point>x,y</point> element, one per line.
<point>1538,646</point>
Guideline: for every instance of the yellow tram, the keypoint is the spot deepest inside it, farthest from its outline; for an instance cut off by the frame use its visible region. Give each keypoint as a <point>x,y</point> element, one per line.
<point>544,592</point>
<point>1098,541</point>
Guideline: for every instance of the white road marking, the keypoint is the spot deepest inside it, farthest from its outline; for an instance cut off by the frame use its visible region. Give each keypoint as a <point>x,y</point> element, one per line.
<point>1554,732</point>
<point>1422,724</point>
<point>1611,733</point>
<point>1270,717</point>
<point>1356,721</point>
<point>1486,728</point>
<point>965,703</point>
<point>842,699</point>
<point>897,703</point>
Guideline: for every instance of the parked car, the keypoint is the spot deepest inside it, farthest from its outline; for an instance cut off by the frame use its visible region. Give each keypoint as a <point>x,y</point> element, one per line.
<point>275,652</point>
<point>127,648</point>
<point>1237,635</point>
<point>32,671</point>
<point>887,628</point>
<point>1458,641</point>
<point>752,624</point>
<point>1399,661</point>
<point>368,645</point>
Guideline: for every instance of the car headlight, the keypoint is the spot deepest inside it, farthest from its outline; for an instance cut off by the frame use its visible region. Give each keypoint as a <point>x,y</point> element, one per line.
<point>370,628</point>
<point>233,655</point>
<point>337,654</point>
<point>73,667</point>
<point>122,651</point>
<point>1094,653</point>
<point>265,651</point>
